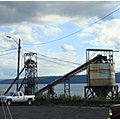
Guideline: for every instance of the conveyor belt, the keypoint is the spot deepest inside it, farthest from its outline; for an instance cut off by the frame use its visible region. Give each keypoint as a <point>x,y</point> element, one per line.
<point>81,68</point>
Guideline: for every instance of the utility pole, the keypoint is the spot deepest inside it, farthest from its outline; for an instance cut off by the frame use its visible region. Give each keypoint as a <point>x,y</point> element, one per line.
<point>18,65</point>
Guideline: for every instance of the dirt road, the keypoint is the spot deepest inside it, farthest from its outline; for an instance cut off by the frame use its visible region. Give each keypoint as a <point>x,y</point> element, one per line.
<point>54,112</point>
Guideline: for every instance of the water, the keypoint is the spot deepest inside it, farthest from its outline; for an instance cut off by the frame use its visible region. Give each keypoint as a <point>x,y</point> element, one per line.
<point>75,89</point>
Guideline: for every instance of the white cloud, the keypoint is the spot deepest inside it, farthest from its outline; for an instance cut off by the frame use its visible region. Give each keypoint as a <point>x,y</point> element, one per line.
<point>23,31</point>
<point>56,12</point>
<point>4,44</point>
<point>54,66</point>
<point>8,64</point>
<point>68,48</point>
<point>51,14</point>
<point>10,61</point>
<point>108,35</point>
<point>105,34</point>
<point>52,19</point>
<point>84,34</point>
<point>117,61</point>
<point>80,21</point>
<point>51,31</point>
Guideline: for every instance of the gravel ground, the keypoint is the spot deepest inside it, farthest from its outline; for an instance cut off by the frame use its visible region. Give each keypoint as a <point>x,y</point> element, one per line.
<point>55,112</point>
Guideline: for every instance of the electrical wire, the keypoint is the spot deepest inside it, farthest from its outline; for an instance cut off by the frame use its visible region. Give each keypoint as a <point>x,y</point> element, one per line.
<point>59,59</point>
<point>61,38</point>
<point>46,58</point>
<point>8,50</point>
<point>70,66</point>
<point>101,72</point>
<point>7,53</point>
<point>56,58</point>
<point>50,60</point>
<point>53,61</point>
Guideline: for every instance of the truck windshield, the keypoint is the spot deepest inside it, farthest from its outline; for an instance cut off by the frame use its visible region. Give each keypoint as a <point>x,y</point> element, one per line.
<point>15,94</point>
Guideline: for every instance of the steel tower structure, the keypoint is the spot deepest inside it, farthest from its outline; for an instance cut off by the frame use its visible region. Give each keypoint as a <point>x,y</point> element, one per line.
<point>30,65</point>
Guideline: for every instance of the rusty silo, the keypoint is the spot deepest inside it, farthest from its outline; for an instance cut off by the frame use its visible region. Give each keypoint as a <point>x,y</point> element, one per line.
<point>101,74</point>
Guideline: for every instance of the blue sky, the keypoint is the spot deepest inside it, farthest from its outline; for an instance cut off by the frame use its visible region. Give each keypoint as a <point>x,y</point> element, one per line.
<point>38,22</point>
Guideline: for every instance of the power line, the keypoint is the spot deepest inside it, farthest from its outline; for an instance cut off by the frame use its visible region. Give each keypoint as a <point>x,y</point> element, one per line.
<point>53,61</point>
<point>59,59</point>
<point>78,30</point>
<point>8,50</point>
<point>56,59</point>
<point>46,58</point>
<point>100,72</point>
<point>7,53</point>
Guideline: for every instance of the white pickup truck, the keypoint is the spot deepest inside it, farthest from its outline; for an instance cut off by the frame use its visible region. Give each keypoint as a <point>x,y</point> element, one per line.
<point>17,97</point>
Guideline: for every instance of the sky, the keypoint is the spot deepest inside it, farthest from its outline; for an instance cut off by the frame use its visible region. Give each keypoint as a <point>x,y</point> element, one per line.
<point>47,27</point>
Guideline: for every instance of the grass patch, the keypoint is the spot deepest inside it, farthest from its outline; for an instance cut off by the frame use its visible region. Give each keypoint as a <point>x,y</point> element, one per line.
<point>75,101</point>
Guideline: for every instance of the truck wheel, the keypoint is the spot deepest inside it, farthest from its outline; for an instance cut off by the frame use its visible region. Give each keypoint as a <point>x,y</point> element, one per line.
<point>29,102</point>
<point>9,102</point>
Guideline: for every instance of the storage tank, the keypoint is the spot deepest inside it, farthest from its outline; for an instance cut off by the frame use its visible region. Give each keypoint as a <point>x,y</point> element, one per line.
<point>102,74</point>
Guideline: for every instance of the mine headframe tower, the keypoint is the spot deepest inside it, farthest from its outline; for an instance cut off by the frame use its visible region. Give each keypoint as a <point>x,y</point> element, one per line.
<point>30,65</point>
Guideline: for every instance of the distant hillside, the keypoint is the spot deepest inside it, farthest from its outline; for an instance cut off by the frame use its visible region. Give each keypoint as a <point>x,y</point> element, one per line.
<point>47,79</point>
<point>75,79</point>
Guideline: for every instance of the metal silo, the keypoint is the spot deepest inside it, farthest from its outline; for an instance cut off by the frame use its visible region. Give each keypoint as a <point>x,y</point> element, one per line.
<point>101,74</point>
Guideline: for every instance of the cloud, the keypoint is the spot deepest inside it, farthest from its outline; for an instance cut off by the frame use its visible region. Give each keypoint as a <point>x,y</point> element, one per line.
<point>51,31</point>
<point>68,48</point>
<point>84,34</point>
<point>23,31</point>
<point>107,34</point>
<point>4,43</point>
<point>51,19</point>
<point>8,64</point>
<point>24,19</point>
<point>28,32</point>
<point>54,66</point>
<point>12,12</point>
